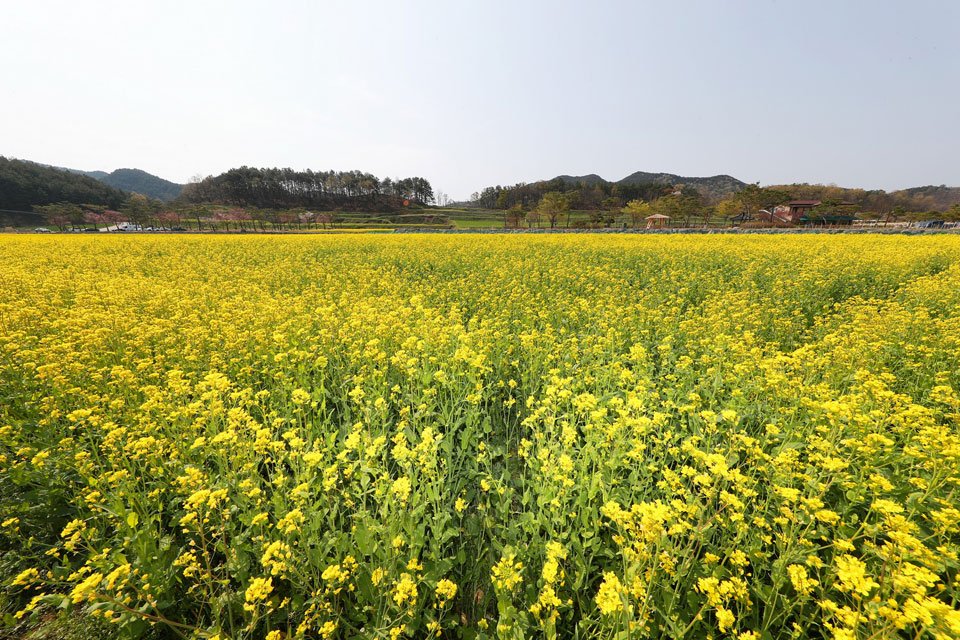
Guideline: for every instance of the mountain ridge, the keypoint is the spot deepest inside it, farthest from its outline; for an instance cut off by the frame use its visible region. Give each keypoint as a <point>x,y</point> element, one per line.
<point>134,181</point>
<point>715,186</point>
<point>139,181</point>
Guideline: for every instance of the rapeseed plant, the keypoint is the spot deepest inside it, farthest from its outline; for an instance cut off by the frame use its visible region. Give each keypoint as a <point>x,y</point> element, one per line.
<point>469,437</point>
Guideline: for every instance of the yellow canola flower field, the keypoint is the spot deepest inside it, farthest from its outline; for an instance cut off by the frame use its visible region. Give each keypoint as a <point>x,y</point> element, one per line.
<point>472,437</point>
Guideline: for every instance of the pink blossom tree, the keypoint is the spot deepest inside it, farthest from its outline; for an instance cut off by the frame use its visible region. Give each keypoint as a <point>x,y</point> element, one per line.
<point>169,218</point>
<point>240,217</point>
<point>307,218</point>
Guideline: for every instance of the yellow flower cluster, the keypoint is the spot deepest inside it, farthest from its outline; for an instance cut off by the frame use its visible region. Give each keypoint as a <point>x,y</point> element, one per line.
<point>609,595</point>
<point>259,589</point>
<point>405,591</point>
<point>446,590</point>
<point>507,573</point>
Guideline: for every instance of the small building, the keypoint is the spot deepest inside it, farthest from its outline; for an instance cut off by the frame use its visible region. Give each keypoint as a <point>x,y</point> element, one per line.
<point>780,214</point>
<point>799,212</point>
<point>656,221</point>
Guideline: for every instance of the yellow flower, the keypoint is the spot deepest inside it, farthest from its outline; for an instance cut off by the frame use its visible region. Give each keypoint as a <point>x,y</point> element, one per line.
<point>887,507</point>
<point>827,516</point>
<point>405,590</point>
<point>446,590</point>
<point>725,618</point>
<point>290,522</point>
<point>275,556</point>
<point>550,570</point>
<point>798,577</point>
<point>401,489</point>
<point>313,458</point>
<point>26,577</point>
<point>609,597</point>
<point>853,576</point>
<point>86,589</point>
<point>259,589</point>
<point>506,573</point>
<point>334,573</point>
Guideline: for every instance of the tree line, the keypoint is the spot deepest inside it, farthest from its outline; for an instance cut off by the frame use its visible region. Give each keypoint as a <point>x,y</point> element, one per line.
<point>687,207</point>
<point>26,186</point>
<point>287,188</point>
<point>550,203</point>
<point>143,212</point>
<point>580,195</point>
<point>876,201</point>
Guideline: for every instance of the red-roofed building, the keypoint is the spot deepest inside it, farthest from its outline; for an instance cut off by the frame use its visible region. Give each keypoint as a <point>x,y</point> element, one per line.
<point>797,212</point>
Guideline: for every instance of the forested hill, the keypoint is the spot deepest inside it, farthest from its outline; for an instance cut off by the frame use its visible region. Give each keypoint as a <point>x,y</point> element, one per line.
<point>589,179</point>
<point>278,188</point>
<point>940,197</point>
<point>712,186</point>
<point>25,184</point>
<point>96,175</point>
<point>715,186</point>
<point>135,181</point>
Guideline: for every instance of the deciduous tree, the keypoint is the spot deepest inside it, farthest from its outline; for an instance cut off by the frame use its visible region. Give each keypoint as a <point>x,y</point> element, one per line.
<point>638,210</point>
<point>552,207</point>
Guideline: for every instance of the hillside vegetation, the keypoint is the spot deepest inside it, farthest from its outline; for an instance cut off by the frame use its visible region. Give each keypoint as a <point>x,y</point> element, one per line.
<point>137,181</point>
<point>134,181</point>
<point>940,197</point>
<point>24,185</point>
<point>712,186</point>
<point>288,188</point>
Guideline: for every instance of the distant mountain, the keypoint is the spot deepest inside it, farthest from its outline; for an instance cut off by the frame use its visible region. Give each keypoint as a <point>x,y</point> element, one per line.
<point>714,186</point>
<point>137,181</point>
<point>96,175</point>
<point>134,181</point>
<point>26,184</point>
<point>587,179</point>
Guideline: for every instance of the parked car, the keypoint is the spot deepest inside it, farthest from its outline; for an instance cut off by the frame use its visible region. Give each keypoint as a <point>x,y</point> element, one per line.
<point>42,230</point>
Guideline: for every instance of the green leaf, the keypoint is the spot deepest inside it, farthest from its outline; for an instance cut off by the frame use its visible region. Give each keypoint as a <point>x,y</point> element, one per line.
<point>362,536</point>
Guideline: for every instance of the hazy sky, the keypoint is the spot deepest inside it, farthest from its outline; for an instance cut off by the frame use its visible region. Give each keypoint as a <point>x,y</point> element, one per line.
<point>470,94</point>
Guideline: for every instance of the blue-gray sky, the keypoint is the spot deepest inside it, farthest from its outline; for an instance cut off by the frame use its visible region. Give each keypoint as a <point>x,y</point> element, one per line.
<point>475,93</point>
